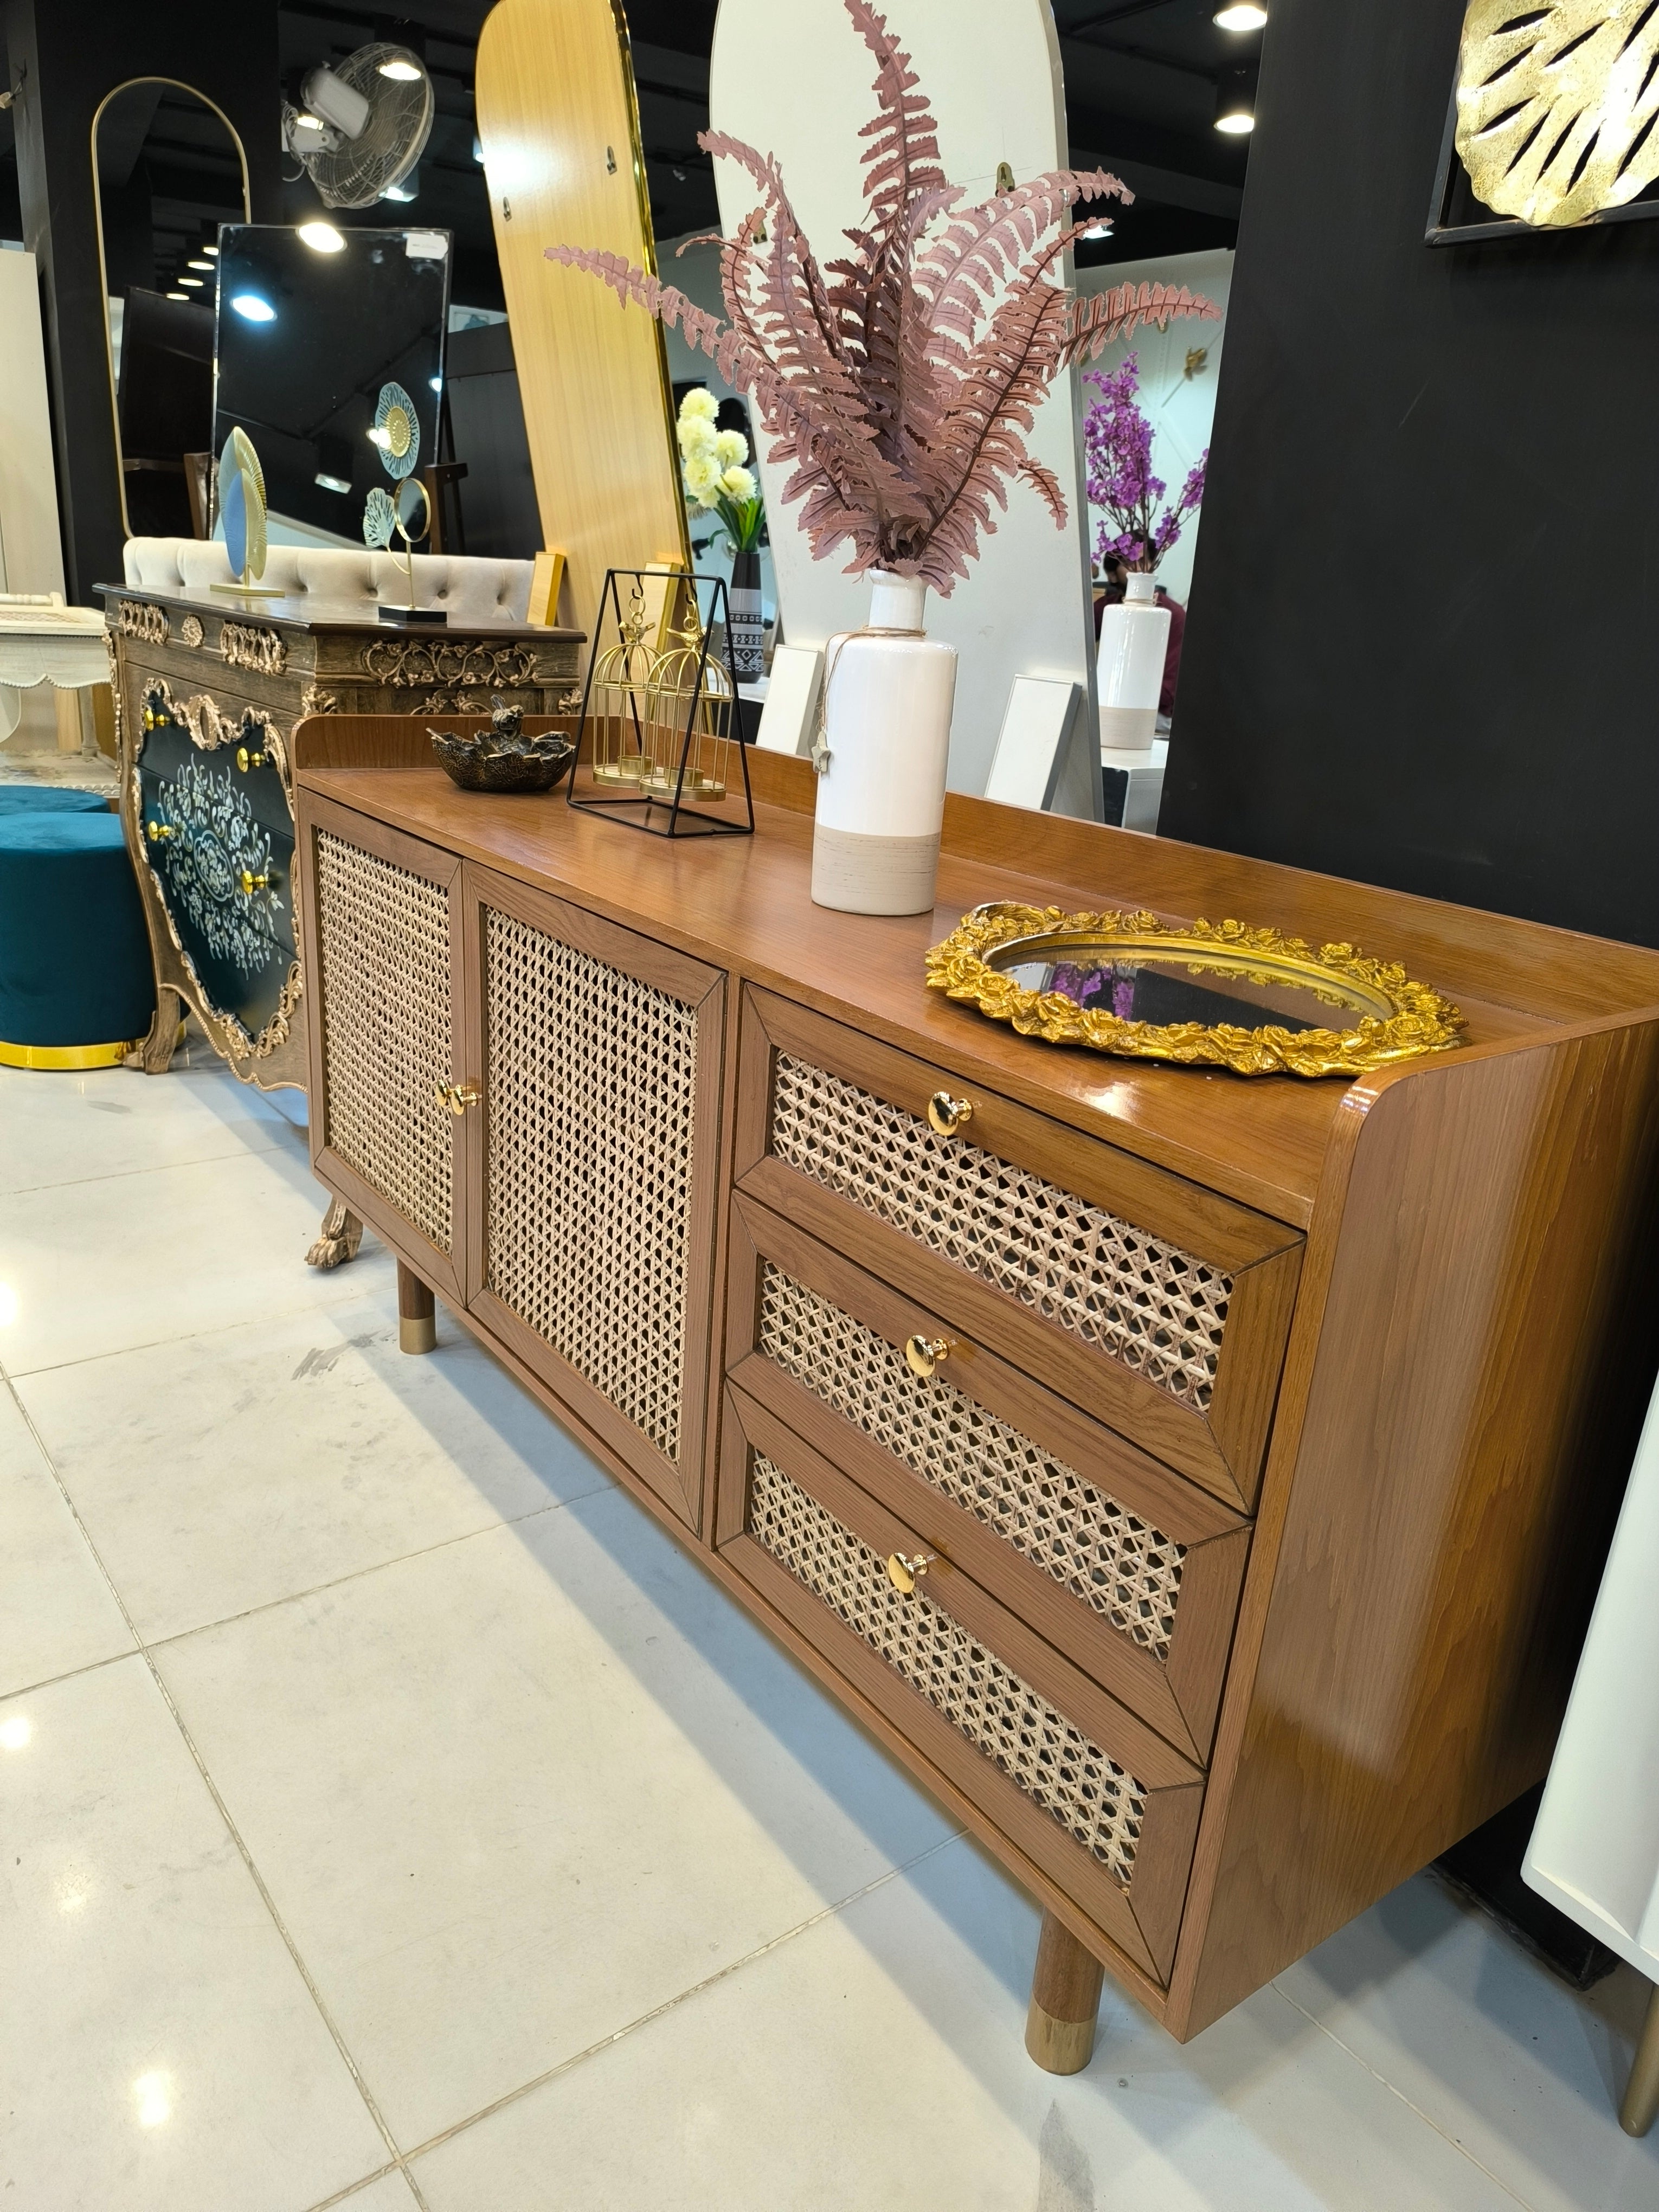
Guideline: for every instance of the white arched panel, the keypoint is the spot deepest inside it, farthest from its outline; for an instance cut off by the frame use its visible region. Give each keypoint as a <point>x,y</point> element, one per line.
<point>796,82</point>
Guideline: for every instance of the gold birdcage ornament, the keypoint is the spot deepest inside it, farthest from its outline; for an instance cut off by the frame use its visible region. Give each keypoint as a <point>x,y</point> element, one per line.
<point>661,741</point>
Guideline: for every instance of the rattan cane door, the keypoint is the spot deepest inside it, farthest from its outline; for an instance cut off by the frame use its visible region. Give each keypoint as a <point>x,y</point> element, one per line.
<point>384,912</point>
<point>592,1191</point>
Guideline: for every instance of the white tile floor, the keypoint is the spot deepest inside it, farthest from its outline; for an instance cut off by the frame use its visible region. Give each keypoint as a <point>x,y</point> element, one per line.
<point>391,1814</point>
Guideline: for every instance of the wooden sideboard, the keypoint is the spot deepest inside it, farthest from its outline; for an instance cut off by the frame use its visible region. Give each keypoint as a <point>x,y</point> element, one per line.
<point>1268,1435</point>
<point>208,688</point>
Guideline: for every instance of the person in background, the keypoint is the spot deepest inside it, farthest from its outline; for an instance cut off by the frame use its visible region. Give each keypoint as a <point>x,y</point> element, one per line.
<point>1109,583</point>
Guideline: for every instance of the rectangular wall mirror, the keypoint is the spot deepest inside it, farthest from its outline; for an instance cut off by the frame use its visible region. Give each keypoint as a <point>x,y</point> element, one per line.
<point>314,325</point>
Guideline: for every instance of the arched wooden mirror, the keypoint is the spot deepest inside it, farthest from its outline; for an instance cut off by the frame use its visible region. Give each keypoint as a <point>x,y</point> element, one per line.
<point>167,170</point>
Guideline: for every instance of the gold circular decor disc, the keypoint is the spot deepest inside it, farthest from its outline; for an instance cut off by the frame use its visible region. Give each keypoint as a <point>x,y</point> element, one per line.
<point>398,433</point>
<point>1557,105</point>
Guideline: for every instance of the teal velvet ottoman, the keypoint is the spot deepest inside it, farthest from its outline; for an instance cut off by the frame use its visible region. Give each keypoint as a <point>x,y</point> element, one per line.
<point>49,798</point>
<point>76,985</point>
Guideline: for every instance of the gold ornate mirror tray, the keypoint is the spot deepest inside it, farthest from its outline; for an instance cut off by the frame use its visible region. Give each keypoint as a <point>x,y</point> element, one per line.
<point>1214,994</point>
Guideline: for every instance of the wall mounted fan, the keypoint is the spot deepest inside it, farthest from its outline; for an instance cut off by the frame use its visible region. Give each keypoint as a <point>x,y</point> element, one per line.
<point>362,127</point>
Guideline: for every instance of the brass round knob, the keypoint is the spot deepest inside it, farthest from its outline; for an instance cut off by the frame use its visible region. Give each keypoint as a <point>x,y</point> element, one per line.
<point>904,1574</point>
<point>945,1114</point>
<point>251,883</point>
<point>457,1097</point>
<point>922,1354</point>
<point>155,831</point>
<point>245,759</point>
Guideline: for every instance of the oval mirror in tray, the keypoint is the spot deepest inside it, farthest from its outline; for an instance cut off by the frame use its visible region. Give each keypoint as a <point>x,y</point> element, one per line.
<point>1217,994</point>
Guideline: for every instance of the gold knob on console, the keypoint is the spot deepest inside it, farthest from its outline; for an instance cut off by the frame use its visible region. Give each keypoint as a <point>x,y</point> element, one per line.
<point>904,1574</point>
<point>157,830</point>
<point>245,759</point>
<point>922,1354</point>
<point>457,1097</point>
<point>251,883</point>
<point>945,1114</point>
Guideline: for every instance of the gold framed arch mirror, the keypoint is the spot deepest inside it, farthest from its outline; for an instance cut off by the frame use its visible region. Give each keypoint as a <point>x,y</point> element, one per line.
<point>167,169</point>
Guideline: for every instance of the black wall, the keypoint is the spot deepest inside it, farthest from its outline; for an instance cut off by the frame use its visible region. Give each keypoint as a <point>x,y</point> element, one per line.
<point>71,53</point>
<point>1423,645</point>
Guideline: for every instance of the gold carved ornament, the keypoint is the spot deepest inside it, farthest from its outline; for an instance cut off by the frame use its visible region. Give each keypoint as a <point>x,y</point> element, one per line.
<point>445,666</point>
<point>149,624</point>
<point>261,650</point>
<point>1411,1018</point>
<point>1557,102</point>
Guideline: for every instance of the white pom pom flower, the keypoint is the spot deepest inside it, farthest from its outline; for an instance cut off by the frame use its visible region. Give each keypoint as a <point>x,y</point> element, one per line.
<point>738,484</point>
<point>699,402</point>
<point>731,448</point>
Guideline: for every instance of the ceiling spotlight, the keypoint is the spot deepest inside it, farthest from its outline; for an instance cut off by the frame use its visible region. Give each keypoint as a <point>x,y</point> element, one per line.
<point>1099,230</point>
<point>1234,101</point>
<point>1240,15</point>
<point>321,237</point>
<point>212,250</point>
<point>191,283</point>
<point>206,267</point>
<point>253,308</point>
<point>178,296</point>
<point>400,71</point>
<point>330,483</point>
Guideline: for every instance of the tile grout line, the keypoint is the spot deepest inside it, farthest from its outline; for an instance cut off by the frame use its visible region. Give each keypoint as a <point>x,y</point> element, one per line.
<point>242,1151</point>
<point>1427,2118</point>
<point>159,1343</point>
<point>375,1567</point>
<point>231,1829</point>
<point>656,2012</point>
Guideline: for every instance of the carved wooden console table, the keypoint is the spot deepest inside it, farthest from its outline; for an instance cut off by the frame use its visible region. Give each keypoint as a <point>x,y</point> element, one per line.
<point>1199,1483</point>
<point>207,691</point>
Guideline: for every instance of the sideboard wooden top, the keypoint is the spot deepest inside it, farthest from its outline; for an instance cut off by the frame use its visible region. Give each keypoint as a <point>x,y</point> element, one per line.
<point>1260,1140</point>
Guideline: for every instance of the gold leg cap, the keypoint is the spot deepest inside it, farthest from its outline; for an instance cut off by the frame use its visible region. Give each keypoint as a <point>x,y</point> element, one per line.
<point>1059,2046</point>
<point>418,1336</point>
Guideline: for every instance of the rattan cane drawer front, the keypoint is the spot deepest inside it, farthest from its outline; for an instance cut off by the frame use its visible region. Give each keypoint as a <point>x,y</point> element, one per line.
<point>1154,1305</point>
<point>384,983</point>
<point>1092,1797</point>
<point>601,1056</point>
<point>1129,1569</point>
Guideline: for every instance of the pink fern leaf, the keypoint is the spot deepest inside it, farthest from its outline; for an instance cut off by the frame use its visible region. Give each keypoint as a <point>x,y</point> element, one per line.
<point>1098,321</point>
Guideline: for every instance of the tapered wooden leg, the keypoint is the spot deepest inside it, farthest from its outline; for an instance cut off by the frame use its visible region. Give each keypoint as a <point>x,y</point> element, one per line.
<point>337,1239</point>
<point>1060,2028</point>
<point>418,1326</point>
<point>1641,2106</point>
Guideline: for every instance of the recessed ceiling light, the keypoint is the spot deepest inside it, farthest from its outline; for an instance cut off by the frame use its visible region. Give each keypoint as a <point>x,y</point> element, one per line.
<point>206,267</point>
<point>1099,230</point>
<point>401,71</point>
<point>212,250</point>
<point>403,192</point>
<point>322,237</point>
<point>330,483</point>
<point>178,296</point>
<point>191,283</point>
<point>256,310</point>
<point>1236,125</point>
<point>1241,15</point>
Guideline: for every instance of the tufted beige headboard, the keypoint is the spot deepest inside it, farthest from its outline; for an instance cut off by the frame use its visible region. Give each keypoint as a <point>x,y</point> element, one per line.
<point>467,589</point>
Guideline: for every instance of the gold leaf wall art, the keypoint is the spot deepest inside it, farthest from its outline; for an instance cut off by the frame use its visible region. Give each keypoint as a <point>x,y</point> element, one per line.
<point>1557,105</point>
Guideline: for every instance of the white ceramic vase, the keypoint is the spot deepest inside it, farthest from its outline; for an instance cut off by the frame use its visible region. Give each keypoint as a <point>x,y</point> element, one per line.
<point>881,787</point>
<point>1134,637</point>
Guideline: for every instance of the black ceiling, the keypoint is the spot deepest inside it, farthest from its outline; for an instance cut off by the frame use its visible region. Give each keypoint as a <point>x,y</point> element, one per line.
<point>1141,81</point>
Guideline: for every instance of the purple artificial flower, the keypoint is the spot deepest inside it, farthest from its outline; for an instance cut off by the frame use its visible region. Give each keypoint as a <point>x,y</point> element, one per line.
<point>1117,450</point>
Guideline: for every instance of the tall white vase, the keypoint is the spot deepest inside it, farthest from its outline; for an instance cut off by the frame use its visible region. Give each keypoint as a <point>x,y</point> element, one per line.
<point>888,696</point>
<point>1134,637</point>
